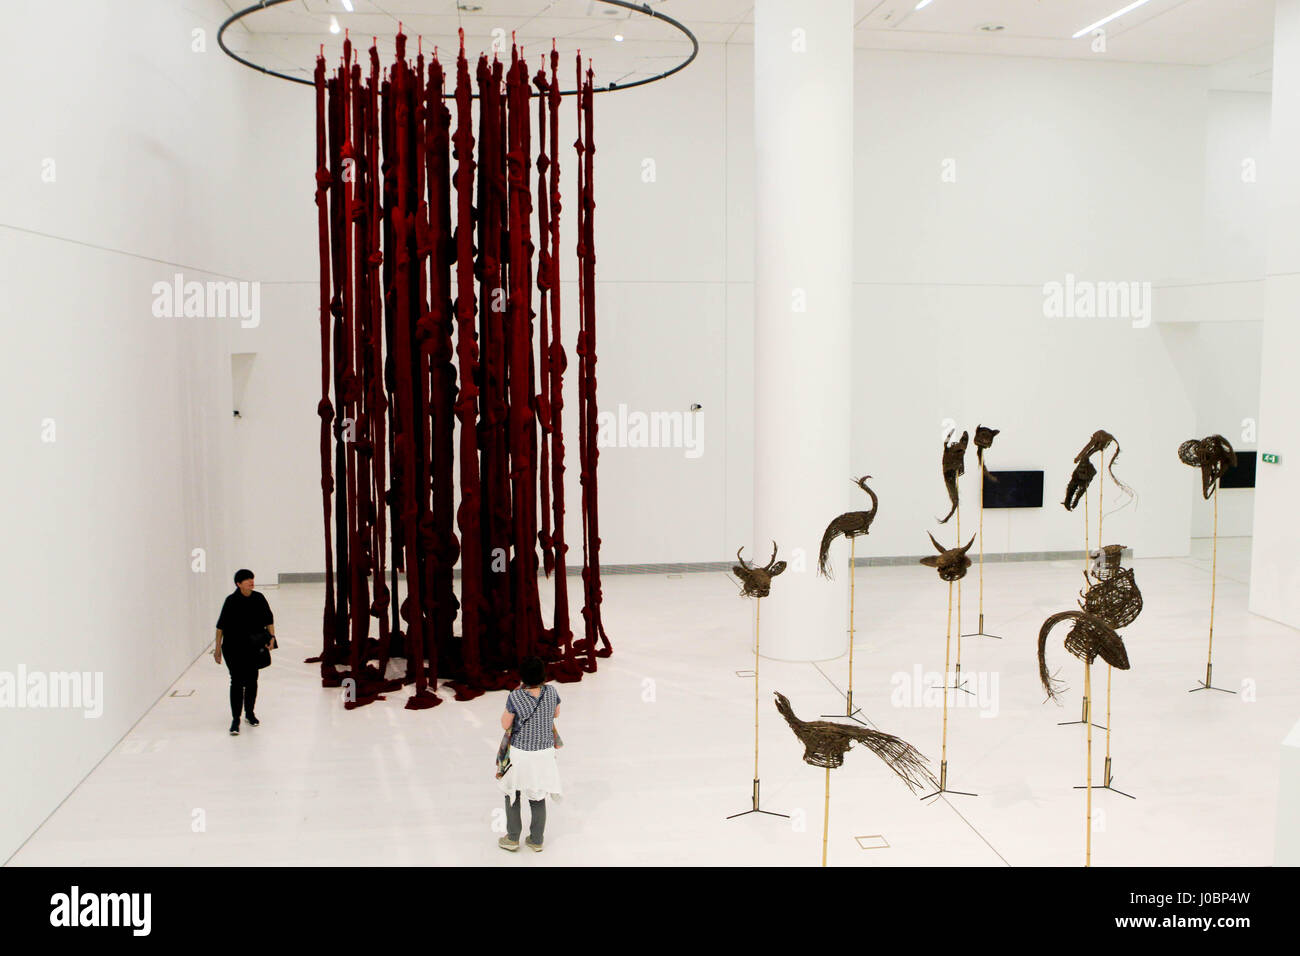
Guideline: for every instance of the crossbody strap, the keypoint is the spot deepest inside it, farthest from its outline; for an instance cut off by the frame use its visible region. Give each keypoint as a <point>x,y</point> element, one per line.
<point>536,707</point>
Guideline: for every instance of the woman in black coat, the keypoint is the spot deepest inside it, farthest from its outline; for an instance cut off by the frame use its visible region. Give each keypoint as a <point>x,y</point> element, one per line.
<point>245,626</point>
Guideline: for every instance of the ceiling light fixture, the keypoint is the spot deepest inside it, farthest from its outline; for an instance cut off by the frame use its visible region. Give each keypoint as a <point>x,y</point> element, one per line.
<point>1105,20</point>
<point>347,5</point>
<point>618,38</point>
<point>334,24</point>
<point>923,4</point>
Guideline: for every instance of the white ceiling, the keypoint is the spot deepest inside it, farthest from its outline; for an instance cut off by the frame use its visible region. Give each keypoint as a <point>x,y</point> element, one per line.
<point>1233,37</point>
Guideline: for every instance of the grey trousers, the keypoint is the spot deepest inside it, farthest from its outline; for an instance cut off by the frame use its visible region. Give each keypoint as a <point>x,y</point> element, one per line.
<point>536,819</point>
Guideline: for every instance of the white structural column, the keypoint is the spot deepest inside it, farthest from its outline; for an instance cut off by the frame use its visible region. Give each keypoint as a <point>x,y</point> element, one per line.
<point>803,250</point>
<point>1288,798</point>
<point>1274,572</point>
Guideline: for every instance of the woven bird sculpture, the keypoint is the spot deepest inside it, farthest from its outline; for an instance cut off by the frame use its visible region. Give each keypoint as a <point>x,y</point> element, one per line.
<point>954,466</point>
<point>1097,444</point>
<point>1107,562</point>
<point>1112,593</point>
<point>756,582</point>
<point>825,743</point>
<point>1213,455</point>
<point>851,524</point>
<point>951,562</point>
<point>984,440</point>
<point>1090,637</point>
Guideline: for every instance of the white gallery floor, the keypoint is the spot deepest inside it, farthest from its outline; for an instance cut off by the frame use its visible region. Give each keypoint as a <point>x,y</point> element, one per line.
<point>659,743</point>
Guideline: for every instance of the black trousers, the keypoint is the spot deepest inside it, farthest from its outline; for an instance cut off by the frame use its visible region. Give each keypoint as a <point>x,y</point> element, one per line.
<point>243,685</point>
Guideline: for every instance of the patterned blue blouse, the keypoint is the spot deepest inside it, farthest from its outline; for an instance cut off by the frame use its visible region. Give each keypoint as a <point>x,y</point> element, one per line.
<point>533,731</point>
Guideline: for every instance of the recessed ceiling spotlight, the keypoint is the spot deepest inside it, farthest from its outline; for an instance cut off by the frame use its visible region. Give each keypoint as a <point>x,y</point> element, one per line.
<point>1105,20</point>
<point>992,27</point>
<point>347,5</point>
<point>923,4</point>
<point>334,24</point>
<point>618,38</point>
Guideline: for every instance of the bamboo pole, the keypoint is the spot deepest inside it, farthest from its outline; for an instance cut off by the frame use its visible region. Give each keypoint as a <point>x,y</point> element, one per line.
<point>853,577</point>
<point>1100,517</point>
<point>957,680</point>
<point>1109,669</point>
<point>1101,490</point>
<point>943,759</point>
<point>826,815</point>
<point>758,609</point>
<point>1214,574</point>
<point>981,535</point>
<point>1087,690</point>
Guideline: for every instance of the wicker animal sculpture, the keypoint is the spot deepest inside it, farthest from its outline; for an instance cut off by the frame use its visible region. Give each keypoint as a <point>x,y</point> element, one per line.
<point>756,582</point>
<point>984,440</point>
<point>951,562</point>
<point>1112,593</point>
<point>1097,444</point>
<point>825,743</point>
<point>1080,479</point>
<point>1090,637</point>
<point>954,466</point>
<point>851,524</point>
<point>1213,455</point>
<point>1106,563</point>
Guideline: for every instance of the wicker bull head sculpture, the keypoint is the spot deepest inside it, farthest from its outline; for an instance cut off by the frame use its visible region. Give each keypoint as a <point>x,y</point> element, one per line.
<point>1089,638</point>
<point>951,562</point>
<point>954,466</point>
<point>825,744</point>
<point>756,581</point>
<point>1213,455</point>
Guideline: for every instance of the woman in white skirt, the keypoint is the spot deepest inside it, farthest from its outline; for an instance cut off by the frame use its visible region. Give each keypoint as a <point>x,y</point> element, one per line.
<point>529,717</point>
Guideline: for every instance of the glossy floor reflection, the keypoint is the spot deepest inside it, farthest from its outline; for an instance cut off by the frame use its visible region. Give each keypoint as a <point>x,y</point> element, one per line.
<point>659,743</point>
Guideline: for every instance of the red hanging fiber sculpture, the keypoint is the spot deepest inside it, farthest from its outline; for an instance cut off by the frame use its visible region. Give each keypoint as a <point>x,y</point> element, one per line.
<point>432,382</point>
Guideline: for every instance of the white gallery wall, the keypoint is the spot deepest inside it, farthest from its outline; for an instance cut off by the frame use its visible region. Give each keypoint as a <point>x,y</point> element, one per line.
<point>1275,575</point>
<point>992,180</point>
<point>980,179</point>
<point>122,166</point>
<point>1215,335</point>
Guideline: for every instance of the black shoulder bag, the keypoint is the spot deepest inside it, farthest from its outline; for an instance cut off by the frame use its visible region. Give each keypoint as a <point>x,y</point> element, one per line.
<point>262,648</point>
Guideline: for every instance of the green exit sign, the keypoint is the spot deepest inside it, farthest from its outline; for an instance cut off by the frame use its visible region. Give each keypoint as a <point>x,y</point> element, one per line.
<point>1271,459</point>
